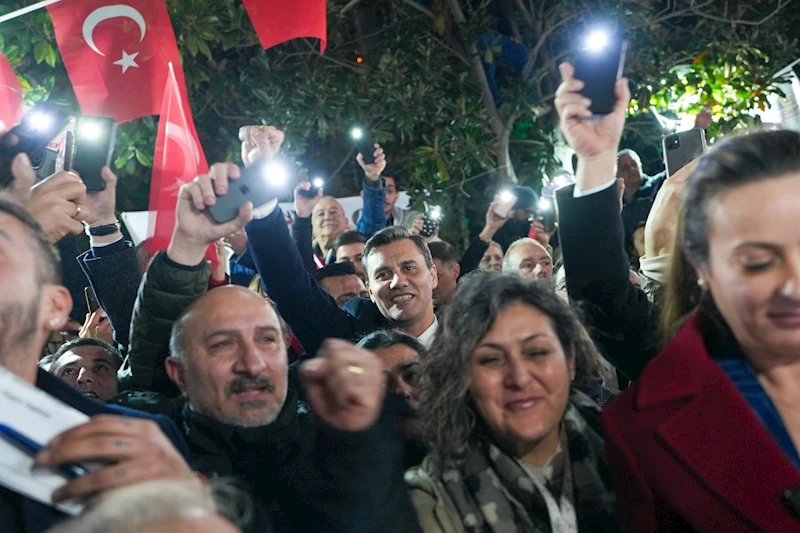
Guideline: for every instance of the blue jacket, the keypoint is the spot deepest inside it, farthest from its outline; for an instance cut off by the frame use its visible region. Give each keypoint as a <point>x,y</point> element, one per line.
<point>19,514</point>
<point>310,311</point>
<point>373,217</point>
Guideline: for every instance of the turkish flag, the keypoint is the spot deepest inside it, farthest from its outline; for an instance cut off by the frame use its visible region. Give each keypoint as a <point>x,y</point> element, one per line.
<point>10,94</point>
<point>116,54</point>
<point>277,21</point>
<point>178,160</point>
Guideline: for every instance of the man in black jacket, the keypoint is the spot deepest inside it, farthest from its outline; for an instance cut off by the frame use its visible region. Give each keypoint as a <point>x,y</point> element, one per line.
<point>334,467</point>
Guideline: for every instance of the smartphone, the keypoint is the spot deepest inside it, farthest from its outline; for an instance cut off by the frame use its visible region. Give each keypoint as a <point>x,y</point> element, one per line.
<point>91,299</point>
<point>95,138</point>
<point>316,185</point>
<point>507,201</point>
<point>365,144</point>
<point>430,221</point>
<point>31,136</point>
<point>258,184</point>
<point>599,64</point>
<point>547,213</point>
<point>682,148</point>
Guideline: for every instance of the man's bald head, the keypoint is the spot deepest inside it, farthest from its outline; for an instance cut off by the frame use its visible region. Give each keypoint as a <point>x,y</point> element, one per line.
<point>229,357</point>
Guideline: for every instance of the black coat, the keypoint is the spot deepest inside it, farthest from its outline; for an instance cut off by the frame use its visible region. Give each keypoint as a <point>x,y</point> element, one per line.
<point>303,475</point>
<point>622,321</point>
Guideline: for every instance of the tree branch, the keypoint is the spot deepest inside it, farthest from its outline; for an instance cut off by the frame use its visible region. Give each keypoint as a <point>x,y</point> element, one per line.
<point>422,9</point>
<point>342,164</point>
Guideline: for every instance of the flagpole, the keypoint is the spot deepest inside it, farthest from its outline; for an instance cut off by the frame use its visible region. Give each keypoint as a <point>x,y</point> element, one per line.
<point>26,10</point>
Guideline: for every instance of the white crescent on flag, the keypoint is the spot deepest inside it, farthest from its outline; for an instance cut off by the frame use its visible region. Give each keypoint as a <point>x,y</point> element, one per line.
<point>108,12</point>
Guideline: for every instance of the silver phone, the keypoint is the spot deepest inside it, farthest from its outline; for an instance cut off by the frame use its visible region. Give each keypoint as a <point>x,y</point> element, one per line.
<point>682,148</point>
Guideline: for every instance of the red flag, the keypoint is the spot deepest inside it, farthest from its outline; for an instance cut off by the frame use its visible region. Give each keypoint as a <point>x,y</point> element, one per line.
<point>277,21</point>
<point>10,94</point>
<point>117,55</point>
<point>178,159</point>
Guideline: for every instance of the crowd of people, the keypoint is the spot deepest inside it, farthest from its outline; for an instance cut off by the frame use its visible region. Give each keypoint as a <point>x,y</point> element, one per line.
<point>635,369</point>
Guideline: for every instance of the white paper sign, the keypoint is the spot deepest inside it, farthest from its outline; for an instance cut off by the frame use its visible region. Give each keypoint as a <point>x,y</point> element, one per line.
<point>40,417</point>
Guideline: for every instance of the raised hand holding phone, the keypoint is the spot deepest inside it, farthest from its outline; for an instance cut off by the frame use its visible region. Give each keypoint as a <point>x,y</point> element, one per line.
<point>596,141</point>
<point>194,228</point>
<point>374,169</point>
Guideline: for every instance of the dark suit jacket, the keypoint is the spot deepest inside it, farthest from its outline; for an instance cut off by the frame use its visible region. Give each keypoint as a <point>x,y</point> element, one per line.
<point>310,311</point>
<point>621,319</point>
<point>687,453</point>
<point>113,272</point>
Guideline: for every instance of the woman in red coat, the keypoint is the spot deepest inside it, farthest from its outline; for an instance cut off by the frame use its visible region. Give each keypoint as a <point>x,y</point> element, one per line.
<point>707,439</point>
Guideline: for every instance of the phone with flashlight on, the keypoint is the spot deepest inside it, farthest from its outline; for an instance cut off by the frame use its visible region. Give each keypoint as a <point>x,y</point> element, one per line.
<point>31,136</point>
<point>598,64</point>
<point>364,144</point>
<point>505,205</point>
<point>316,185</point>
<point>258,184</point>
<point>431,220</point>
<point>94,141</point>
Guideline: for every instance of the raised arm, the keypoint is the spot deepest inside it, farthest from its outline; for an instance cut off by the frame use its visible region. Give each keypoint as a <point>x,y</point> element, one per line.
<point>373,216</point>
<point>591,233</point>
<point>176,278</point>
<point>311,313</point>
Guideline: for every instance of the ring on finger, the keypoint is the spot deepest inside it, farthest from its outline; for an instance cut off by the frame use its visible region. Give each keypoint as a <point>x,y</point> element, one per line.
<point>355,369</point>
<point>77,212</point>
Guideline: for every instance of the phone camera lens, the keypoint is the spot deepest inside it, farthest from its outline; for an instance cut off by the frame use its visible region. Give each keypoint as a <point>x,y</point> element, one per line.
<point>673,143</point>
<point>37,159</point>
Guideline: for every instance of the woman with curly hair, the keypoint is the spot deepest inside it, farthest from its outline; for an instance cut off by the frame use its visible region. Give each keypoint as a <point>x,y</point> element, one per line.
<point>514,446</point>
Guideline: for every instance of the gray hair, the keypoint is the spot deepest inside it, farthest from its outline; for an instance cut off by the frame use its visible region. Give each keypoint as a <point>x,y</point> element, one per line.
<point>135,508</point>
<point>525,241</point>
<point>633,155</point>
<point>447,411</point>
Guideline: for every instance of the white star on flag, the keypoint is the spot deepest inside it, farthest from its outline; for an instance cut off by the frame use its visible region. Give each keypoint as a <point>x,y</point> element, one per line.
<point>127,61</point>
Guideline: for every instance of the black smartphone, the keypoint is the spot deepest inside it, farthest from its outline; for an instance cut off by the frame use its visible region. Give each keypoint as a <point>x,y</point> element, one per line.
<point>316,185</point>
<point>682,148</point>
<point>364,144</point>
<point>260,183</point>
<point>91,299</point>
<point>547,213</point>
<point>599,64</point>
<point>430,221</point>
<point>31,136</point>
<point>95,138</point>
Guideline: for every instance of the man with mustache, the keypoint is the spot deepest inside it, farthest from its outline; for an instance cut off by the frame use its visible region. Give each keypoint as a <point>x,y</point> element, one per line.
<point>331,464</point>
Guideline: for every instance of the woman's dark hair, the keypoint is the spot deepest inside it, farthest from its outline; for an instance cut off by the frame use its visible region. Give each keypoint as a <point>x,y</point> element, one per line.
<point>733,163</point>
<point>447,411</point>
<point>386,338</point>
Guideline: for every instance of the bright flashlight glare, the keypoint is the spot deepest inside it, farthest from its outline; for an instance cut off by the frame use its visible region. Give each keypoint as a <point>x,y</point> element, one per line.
<point>91,130</point>
<point>597,40</point>
<point>318,183</point>
<point>357,133</point>
<point>41,121</point>
<point>436,213</point>
<point>544,205</point>
<point>506,196</point>
<point>276,174</point>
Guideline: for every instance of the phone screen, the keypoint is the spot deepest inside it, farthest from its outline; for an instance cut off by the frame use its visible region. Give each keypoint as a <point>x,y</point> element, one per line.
<point>94,142</point>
